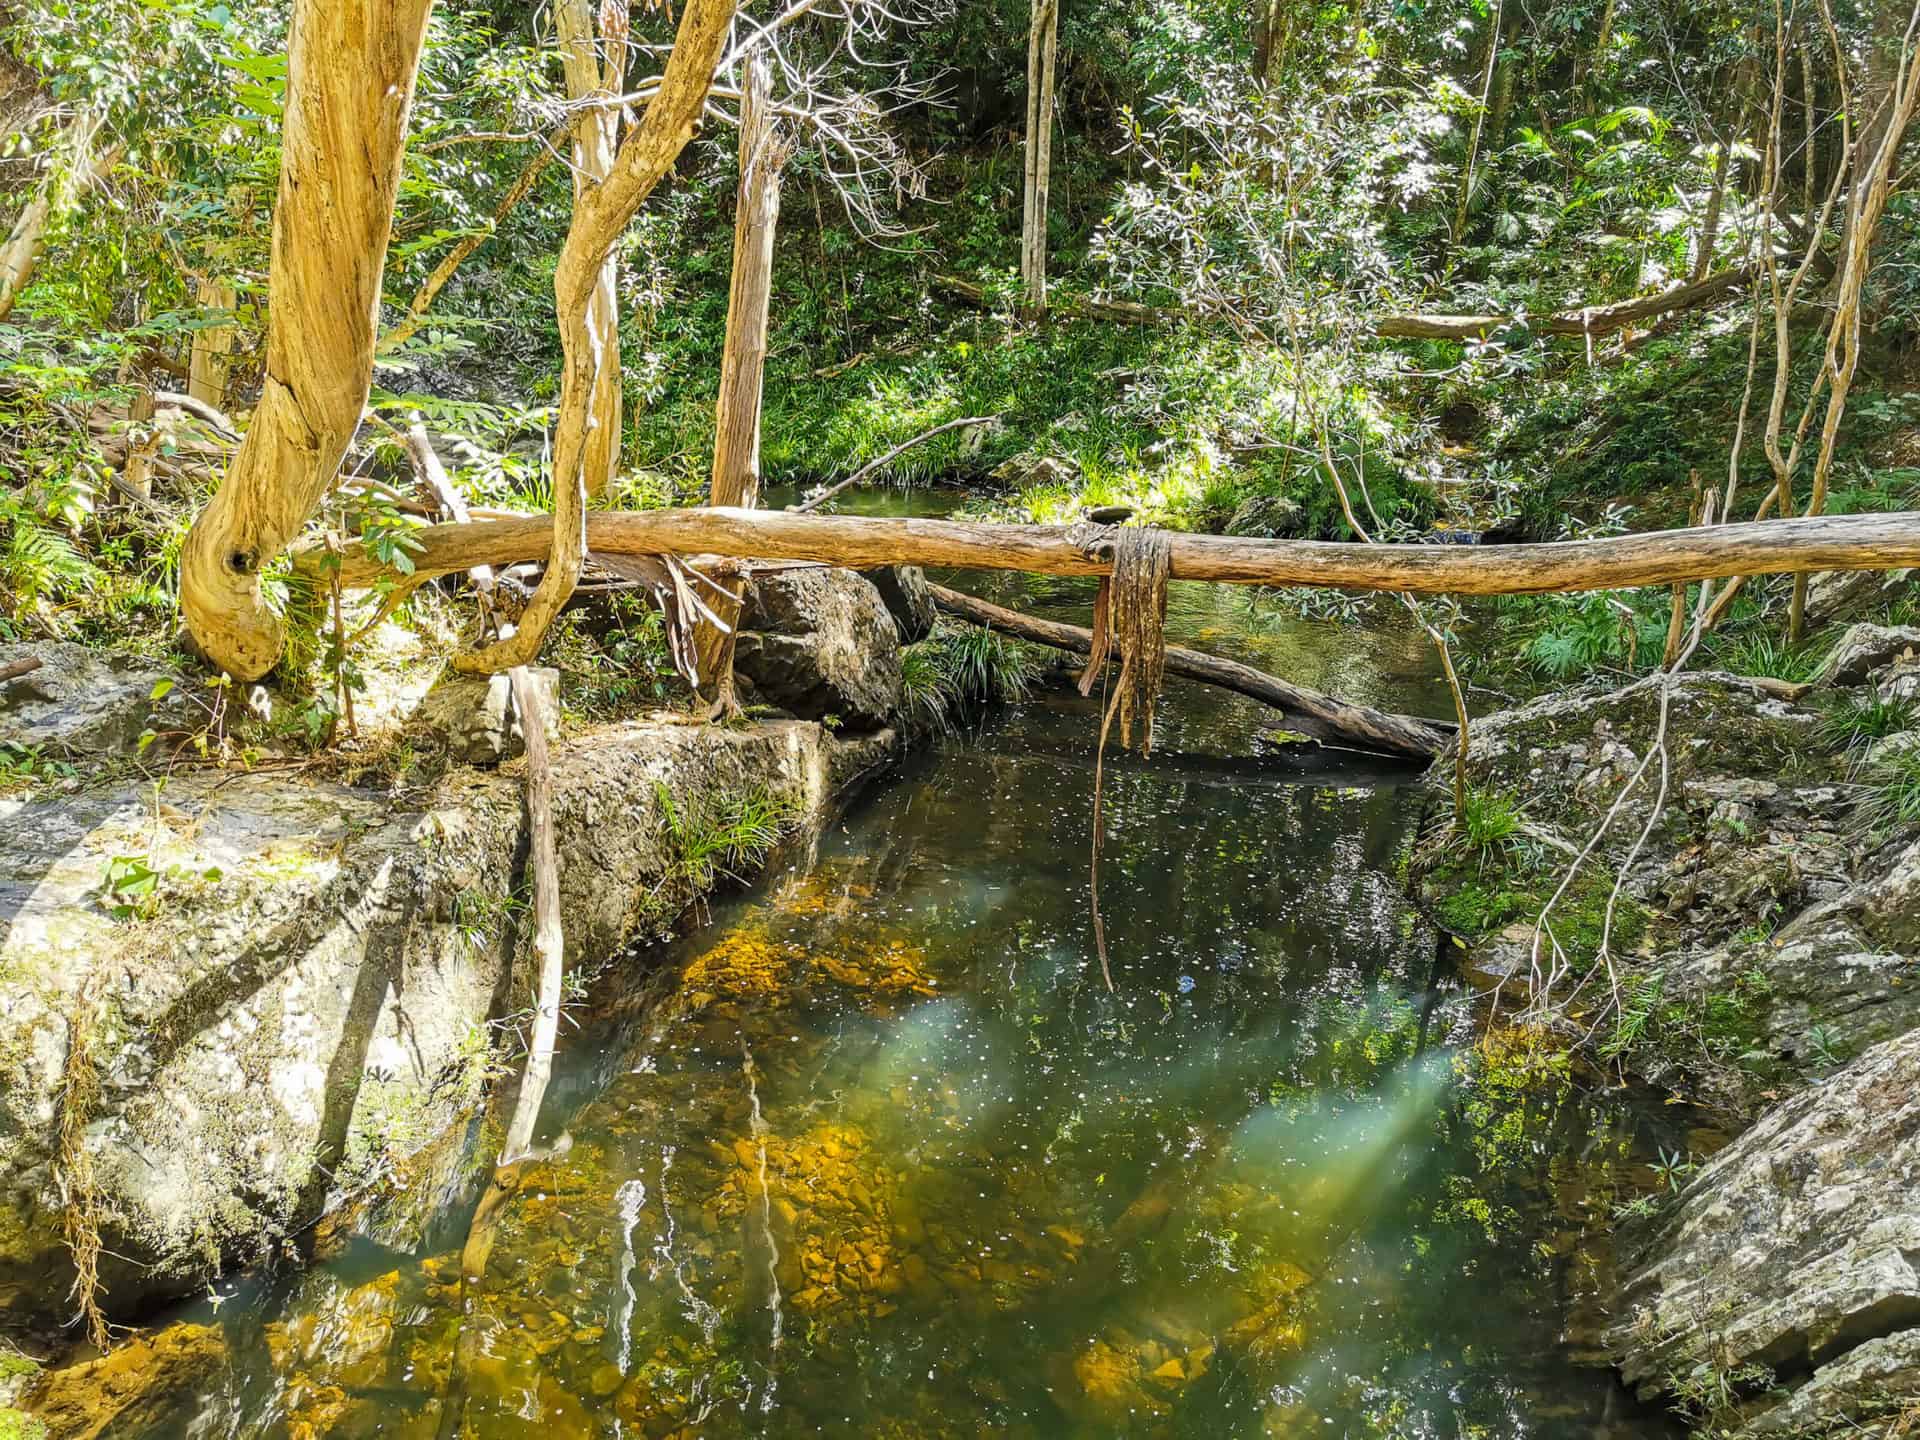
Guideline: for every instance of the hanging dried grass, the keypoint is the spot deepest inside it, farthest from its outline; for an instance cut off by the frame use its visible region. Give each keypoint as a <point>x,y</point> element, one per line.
<point>1130,614</point>
<point>81,1210</point>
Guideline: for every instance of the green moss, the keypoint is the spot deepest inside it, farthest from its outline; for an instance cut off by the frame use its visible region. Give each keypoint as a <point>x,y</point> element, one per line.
<point>17,1425</point>
<point>1477,902</point>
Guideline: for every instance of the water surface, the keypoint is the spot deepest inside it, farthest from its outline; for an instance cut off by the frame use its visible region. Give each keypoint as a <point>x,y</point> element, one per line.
<point>880,1154</point>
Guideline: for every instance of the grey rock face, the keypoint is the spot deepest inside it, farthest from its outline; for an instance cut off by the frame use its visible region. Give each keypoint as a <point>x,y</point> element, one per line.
<point>311,978</point>
<point>1834,595</point>
<point>1864,649</point>
<point>478,720</point>
<point>903,590</point>
<point>1267,517</point>
<point>819,643</point>
<point>1795,1248</point>
<point>79,699</point>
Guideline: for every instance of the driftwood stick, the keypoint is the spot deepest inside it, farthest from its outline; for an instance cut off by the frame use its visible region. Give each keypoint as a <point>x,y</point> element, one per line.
<point>549,941</point>
<point>1827,542</point>
<point>814,502</point>
<point>14,669</point>
<point>1308,711</point>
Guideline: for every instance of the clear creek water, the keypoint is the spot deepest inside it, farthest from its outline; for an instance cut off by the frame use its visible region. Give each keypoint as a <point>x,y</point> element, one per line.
<point>880,1156</point>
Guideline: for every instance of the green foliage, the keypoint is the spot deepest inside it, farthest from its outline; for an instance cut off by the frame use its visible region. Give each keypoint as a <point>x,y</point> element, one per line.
<point>1887,798</point>
<point>1765,653</point>
<point>724,834</point>
<point>980,666</point>
<point>1853,720</point>
<point>926,688</point>
<point>1490,824</point>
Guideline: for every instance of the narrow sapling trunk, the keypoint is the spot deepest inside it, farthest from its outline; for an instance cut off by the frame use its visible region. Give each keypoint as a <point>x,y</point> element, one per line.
<point>582,437</point>
<point>736,443</point>
<point>212,347</point>
<point>1041,43</point>
<point>593,77</point>
<point>350,81</point>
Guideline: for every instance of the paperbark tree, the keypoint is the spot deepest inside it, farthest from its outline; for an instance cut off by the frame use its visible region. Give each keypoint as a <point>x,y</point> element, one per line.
<point>25,243</point>
<point>1041,43</point>
<point>736,443</point>
<point>601,211</point>
<point>210,364</point>
<point>350,79</point>
<point>593,77</point>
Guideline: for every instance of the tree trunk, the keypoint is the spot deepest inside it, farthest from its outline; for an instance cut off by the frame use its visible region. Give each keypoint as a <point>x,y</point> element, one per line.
<point>431,287</point>
<point>350,85</point>
<point>1879,153</point>
<point>1041,43</point>
<point>1831,542</point>
<point>1307,711</point>
<point>594,137</point>
<point>210,367</point>
<point>743,358</point>
<point>600,213</point>
<point>20,256</point>
<point>1710,221</point>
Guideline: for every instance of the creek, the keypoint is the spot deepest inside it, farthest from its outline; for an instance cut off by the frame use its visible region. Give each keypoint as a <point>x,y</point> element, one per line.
<point>873,1152</point>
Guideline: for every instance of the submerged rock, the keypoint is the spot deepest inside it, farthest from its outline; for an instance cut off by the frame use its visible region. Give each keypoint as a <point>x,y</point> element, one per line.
<point>1795,1249</point>
<point>131,1391</point>
<point>293,1002</point>
<point>821,643</point>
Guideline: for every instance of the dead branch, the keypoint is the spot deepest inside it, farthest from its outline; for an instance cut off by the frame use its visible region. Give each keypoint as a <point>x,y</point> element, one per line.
<point>1323,717</point>
<point>813,502</point>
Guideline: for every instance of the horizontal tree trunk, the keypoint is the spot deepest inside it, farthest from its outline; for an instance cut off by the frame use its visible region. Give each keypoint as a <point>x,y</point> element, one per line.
<point>1593,320</point>
<point>1587,320</point>
<point>1661,557</point>
<point>1308,711</point>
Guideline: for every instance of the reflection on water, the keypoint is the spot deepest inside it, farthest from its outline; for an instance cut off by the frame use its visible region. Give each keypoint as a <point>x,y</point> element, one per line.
<point>883,1158</point>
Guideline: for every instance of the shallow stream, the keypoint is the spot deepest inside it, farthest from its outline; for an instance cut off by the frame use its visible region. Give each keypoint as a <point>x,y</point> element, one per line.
<point>879,1155</point>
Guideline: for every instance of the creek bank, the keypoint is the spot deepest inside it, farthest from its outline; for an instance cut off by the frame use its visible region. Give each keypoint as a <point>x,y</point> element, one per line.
<point>302,982</point>
<point>1761,933</point>
<point>1766,955</point>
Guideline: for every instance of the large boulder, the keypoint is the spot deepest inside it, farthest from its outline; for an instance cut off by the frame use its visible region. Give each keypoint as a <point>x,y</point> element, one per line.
<point>1834,595</point>
<point>476,719</point>
<point>82,700</point>
<point>904,591</point>
<point>821,644</point>
<point>296,987</point>
<point>1797,1250</point>
<point>1864,649</point>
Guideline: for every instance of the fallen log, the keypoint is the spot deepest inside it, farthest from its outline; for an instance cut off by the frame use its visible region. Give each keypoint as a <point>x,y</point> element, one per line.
<point>1309,712</point>
<point>1586,320</point>
<point>1623,562</point>
<point>1590,320</point>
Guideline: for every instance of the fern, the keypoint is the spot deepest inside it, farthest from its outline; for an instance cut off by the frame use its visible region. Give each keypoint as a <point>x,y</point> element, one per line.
<point>41,565</point>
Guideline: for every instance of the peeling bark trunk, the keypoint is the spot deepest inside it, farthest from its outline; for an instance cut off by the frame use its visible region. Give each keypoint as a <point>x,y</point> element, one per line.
<point>1831,542</point>
<point>1042,41</point>
<point>210,367</point>
<point>20,256</point>
<point>600,213</point>
<point>595,135</point>
<point>350,86</point>
<point>743,358</point>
